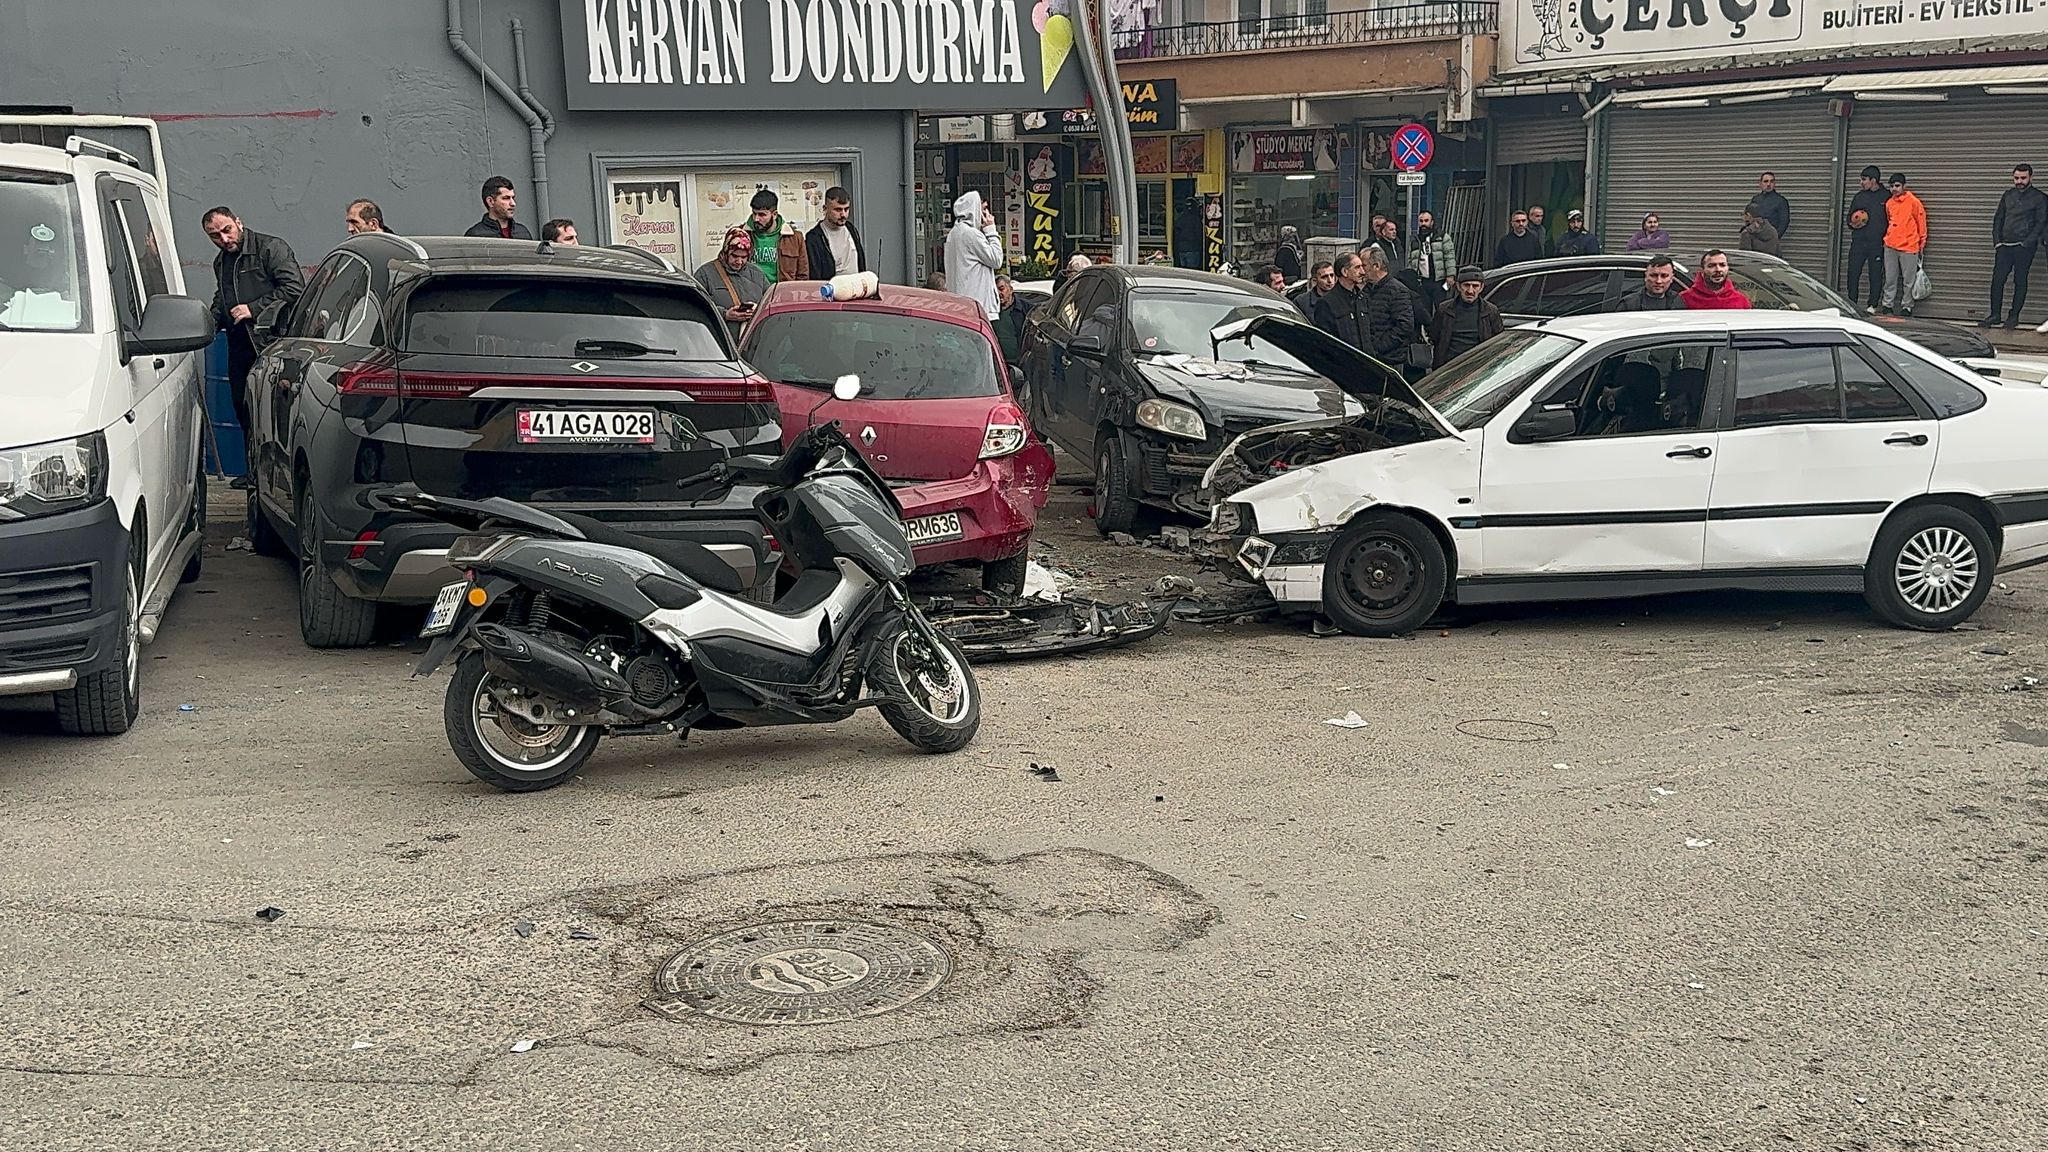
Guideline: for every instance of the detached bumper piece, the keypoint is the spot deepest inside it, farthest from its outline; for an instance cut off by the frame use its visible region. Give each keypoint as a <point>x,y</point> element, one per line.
<point>994,631</point>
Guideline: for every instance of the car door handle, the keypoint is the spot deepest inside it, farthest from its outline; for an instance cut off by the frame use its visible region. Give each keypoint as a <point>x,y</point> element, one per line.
<point>1700,453</point>
<point>1916,439</point>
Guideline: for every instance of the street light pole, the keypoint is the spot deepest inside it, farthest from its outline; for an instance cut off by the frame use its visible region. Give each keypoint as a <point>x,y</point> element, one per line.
<point>1112,120</point>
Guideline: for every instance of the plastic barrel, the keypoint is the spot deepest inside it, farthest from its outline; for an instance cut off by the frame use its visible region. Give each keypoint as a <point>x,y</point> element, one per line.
<point>226,455</point>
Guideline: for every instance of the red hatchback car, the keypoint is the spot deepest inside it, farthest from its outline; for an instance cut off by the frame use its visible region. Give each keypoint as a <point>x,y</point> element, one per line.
<point>935,415</point>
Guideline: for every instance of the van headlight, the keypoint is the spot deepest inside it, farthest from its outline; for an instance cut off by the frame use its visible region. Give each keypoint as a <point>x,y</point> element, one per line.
<point>1172,419</point>
<point>45,479</point>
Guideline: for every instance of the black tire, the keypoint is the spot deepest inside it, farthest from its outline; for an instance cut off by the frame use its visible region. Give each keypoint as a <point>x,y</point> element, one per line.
<point>106,703</point>
<point>472,746</point>
<point>1385,575</point>
<point>897,667</point>
<point>264,538</point>
<point>1930,569</point>
<point>328,617</point>
<point>1116,497</point>
<point>197,523</point>
<point>1005,577</point>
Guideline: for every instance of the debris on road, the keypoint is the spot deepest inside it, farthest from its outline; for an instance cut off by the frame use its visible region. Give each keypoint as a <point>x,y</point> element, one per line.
<point>269,914</point>
<point>1659,791</point>
<point>582,934</point>
<point>1046,584</point>
<point>1046,773</point>
<point>524,929</point>
<point>523,1045</point>
<point>991,629</point>
<point>188,707</point>
<point>2024,684</point>
<point>1698,842</point>
<point>1994,650</point>
<point>1511,731</point>
<point>1123,539</point>
<point>1347,720</point>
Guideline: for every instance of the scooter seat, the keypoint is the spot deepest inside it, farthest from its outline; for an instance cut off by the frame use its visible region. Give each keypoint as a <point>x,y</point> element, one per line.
<point>686,556</point>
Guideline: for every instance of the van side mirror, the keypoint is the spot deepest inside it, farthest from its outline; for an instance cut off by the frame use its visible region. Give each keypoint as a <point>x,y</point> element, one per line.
<point>1546,423</point>
<point>171,324</point>
<point>1088,347</point>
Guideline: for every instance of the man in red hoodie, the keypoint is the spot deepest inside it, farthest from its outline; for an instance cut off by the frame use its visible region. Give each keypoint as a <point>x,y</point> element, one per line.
<point>1712,288</point>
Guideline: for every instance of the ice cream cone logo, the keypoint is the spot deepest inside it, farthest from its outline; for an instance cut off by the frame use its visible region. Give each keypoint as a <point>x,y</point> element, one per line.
<point>1055,38</point>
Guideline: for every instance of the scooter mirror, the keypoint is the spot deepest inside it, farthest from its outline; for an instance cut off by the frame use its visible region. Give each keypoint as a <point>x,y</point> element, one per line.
<point>846,387</point>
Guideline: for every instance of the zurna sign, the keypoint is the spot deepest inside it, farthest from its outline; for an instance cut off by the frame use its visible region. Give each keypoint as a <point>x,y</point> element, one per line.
<point>755,55</point>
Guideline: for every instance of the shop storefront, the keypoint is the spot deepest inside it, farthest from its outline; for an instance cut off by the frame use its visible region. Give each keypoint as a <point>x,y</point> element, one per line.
<point>1173,170</point>
<point>1281,177</point>
<point>1539,157</point>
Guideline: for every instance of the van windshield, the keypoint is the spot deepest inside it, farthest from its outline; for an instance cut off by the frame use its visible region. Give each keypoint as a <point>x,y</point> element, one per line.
<point>42,267</point>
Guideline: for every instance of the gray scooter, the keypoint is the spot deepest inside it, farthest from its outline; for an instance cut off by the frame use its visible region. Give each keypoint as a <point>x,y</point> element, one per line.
<point>565,632</point>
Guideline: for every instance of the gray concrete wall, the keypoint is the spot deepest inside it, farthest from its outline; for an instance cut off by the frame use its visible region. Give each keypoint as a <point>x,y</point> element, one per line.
<point>288,110</point>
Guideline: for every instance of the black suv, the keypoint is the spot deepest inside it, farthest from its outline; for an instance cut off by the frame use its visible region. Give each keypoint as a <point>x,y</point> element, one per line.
<point>585,381</point>
<point>1580,285</point>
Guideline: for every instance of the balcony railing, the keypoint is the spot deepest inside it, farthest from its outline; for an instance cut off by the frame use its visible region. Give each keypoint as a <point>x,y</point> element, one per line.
<point>1312,30</point>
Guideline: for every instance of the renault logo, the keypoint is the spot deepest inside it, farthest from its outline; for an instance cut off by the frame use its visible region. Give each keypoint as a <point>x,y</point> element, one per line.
<point>867,436</point>
<point>584,366</point>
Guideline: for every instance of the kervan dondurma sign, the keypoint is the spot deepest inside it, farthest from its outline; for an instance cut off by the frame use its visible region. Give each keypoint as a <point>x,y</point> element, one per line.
<point>1580,33</point>
<point>812,55</point>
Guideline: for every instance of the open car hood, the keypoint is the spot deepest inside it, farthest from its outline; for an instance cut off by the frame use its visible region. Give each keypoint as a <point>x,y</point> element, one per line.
<point>1358,374</point>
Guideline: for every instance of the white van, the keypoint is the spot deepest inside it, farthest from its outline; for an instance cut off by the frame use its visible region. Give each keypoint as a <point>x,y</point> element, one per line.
<point>102,482</point>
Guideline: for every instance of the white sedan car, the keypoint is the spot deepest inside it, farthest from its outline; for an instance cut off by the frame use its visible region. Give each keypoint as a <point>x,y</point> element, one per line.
<point>1633,454</point>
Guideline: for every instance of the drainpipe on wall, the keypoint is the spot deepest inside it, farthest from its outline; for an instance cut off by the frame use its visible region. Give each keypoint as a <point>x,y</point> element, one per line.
<point>1596,162</point>
<point>547,118</point>
<point>536,131</point>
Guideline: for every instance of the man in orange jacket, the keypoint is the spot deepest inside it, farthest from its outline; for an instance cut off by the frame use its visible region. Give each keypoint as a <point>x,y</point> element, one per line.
<point>1905,237</point>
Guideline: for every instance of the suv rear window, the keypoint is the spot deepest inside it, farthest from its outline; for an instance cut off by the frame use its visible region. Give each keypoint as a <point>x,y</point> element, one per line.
<point>896,357</point>
<point>560,320</point>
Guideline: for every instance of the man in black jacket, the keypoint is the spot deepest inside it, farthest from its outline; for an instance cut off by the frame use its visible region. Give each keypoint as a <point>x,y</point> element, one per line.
<point>500,202</point>
<point>1519,244</point>
<point>1464,322</point>
<point>1389,311</point>
<point>2018,229</point>
<point>1867,221</point>
<point>834,242</point>
<point>1659,292</point>
<point>1577,241</point>
<point>252,272</point>
<point>1771,203</point>
<point>1341,311</point>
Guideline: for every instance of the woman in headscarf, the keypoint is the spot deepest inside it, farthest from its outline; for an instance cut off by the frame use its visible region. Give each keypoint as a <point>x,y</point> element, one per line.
<point>733,281</point>
<point>1288,256</point>
<point>1651,236</point>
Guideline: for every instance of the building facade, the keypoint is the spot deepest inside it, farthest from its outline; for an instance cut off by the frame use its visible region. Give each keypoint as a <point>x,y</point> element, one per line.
<point>1678,109</point>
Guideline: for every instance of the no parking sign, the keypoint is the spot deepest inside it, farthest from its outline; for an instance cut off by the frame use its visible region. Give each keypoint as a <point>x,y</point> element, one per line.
<point>1412,147</point>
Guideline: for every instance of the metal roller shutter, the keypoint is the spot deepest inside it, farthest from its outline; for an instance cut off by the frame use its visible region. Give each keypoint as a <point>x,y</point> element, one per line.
<point>1697,168</point>
<point>1539,132</point>
<point>1958,157</point>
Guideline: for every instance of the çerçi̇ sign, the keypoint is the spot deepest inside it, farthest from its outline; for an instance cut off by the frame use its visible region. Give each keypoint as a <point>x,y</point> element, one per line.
<point>964,55</point>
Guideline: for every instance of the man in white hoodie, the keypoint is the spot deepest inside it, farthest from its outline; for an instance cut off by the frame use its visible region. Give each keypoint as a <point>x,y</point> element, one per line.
<point>974,253</point>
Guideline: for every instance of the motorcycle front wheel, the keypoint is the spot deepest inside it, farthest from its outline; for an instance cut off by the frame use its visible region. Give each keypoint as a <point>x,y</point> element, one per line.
<point>508,752</point>
<point>935,702</point>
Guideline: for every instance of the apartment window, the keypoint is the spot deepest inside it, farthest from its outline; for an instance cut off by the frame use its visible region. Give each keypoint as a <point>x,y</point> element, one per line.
<point>1279,16</point>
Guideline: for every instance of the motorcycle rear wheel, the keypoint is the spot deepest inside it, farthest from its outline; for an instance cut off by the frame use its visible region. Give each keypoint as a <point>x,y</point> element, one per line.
<point>504,751</point>
<point>938,701</point>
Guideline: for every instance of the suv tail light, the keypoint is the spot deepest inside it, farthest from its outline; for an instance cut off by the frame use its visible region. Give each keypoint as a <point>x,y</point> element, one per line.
<point>370,379</point>
<point>1005,433</point>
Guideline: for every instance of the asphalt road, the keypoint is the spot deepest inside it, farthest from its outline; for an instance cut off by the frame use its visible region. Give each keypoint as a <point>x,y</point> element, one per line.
<point>1721,873</point>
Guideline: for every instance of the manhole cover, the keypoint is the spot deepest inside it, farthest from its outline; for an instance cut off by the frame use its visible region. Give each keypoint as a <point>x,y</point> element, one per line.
<point>800,972</point>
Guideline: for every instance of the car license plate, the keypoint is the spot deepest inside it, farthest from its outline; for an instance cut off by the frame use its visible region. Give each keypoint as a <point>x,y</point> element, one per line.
<point>446,605</point>
<point>585,426</point>
<point>933,529</point>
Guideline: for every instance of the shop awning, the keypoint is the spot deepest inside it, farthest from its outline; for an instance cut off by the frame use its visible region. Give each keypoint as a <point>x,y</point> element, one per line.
<point>1735,92</point>
<point>2032,76</point>
<point>1555,86</point>
<point>1345,94</point>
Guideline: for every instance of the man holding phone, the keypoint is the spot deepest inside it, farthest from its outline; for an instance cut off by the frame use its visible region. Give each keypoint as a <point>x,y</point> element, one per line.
<point>733,281</point>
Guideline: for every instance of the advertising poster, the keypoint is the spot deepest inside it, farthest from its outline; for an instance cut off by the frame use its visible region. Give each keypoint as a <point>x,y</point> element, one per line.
<point>722,202</point>
<point>1042,177</point>
<point>648,215</point>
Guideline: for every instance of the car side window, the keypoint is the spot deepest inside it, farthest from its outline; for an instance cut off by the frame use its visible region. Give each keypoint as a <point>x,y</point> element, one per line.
<point>347,284</point>
<point>1866,394</point>
<point>1092,295</point>
<point>1571,292</point>
<point>121,270</point>
<point>301,324</point>
<point>1944,393</point>
<point>1660,389</point>
<point>143,246</point>
<point>1761,295</point>
<point>1512,295</point>
<point>1786,386</point>
<point>1067,306</point>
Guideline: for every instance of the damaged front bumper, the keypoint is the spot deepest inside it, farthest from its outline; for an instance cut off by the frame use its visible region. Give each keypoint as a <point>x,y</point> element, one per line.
<point>994,631</point>
<point>1288,565</point>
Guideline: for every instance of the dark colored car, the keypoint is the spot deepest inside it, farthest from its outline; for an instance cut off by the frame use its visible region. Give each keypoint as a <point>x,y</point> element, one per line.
<point>584,381</point>
<point>935,415</point>
<point>1120,370</point>
<point>1579,285</point>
